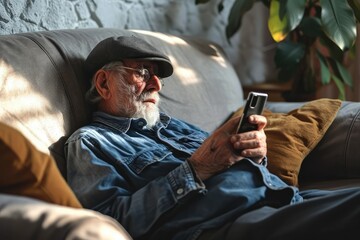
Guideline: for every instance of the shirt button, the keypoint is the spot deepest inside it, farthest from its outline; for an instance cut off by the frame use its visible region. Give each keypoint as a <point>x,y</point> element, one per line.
<point>180,191</point>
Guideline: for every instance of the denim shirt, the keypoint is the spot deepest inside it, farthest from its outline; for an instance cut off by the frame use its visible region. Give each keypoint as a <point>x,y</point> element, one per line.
<point>141,177</point>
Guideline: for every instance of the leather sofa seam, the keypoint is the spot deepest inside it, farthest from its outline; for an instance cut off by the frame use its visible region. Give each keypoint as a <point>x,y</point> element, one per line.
<point>348,139</point>
<point>58,73</point>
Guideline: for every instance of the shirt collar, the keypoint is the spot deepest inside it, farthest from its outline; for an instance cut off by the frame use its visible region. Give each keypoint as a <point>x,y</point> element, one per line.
<point>123,124</point>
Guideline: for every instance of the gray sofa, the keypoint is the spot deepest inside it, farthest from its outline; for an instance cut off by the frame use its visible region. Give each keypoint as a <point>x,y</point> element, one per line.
<point>42,86</point>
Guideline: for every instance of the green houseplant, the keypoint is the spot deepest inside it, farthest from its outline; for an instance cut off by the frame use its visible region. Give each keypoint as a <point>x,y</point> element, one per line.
<point>313,36</point>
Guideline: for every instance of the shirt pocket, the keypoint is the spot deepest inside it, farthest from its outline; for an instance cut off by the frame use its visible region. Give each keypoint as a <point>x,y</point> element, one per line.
<point>191,141</point>
<point>146,158</point>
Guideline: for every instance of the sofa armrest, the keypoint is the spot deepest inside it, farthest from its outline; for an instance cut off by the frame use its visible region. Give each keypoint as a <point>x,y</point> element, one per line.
<point>337,154</point>
<point>27,218</point>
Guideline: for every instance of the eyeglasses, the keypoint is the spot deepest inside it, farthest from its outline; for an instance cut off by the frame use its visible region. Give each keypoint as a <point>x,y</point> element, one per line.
<point>143,73</point>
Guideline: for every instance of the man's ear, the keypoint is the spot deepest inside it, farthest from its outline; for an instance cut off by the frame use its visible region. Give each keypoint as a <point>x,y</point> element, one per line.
<point>102,84</point>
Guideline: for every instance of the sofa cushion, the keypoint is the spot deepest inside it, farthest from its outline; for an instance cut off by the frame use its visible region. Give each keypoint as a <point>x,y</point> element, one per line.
<point>26,171</point>
<point>291,136</point>
<point>27,219</point>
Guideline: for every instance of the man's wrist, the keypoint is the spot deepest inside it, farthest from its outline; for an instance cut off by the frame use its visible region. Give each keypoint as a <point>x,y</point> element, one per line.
<point>194,168</point>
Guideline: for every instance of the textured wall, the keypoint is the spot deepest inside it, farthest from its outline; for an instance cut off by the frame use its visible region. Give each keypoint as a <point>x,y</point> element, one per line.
<point>248,49</point>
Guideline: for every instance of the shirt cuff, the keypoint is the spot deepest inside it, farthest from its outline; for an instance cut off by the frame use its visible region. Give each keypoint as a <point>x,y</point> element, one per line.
<point>183,181</point>
<point>264,162</point>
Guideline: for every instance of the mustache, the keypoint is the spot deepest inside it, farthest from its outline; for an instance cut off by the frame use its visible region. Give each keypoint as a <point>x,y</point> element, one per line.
<point>145,95</point>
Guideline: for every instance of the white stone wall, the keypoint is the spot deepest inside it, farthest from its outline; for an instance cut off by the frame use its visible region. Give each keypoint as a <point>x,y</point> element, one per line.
<point>248,50</point>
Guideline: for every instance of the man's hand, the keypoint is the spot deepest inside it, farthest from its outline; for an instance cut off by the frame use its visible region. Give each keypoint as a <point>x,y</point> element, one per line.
<point>224,148</point>
<point>252,144</point>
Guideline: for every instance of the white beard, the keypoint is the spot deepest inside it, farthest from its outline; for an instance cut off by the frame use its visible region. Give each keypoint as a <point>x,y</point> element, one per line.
<point>130,105</point>
<point>150,114</point>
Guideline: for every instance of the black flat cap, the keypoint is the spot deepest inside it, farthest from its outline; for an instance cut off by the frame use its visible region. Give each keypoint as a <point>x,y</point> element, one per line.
<point>126,47</point>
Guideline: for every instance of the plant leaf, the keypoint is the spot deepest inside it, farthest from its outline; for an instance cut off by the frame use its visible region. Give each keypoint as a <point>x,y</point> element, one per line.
<point>311,27</point>
<point>295,12</point>
<point>278,27</point>
<point>355,5</point>
<point>282,9</point>
<point>287,58</point>
<point>333,49</point>
<point>324,69</point>
<point>344,74</point>
<point>289,54</point>
<point>285,16</point>
<point>339,22</point>
<point>340,85</point>
<point>237,11</point>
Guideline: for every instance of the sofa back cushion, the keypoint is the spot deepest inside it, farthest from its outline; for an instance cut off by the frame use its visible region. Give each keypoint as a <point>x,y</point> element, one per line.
<point>42,81</point>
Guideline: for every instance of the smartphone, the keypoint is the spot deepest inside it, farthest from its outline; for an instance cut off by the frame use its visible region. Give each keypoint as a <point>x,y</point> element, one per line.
<point>254,106</point>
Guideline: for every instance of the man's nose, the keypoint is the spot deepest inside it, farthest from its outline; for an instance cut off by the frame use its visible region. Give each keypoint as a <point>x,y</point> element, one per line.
<point>154,84</point>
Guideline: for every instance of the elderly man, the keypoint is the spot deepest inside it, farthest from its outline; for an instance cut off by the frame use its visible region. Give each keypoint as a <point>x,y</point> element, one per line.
<point>163,178</point>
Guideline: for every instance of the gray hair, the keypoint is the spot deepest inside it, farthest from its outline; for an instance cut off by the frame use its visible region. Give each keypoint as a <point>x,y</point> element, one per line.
<point>92,94</point>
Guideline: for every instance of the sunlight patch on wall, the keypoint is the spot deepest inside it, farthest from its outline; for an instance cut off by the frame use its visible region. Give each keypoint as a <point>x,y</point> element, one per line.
<point>26,109</point>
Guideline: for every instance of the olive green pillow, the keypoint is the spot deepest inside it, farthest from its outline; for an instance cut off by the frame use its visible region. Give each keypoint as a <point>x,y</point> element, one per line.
<point>25,171</point>
<point>291,136</point>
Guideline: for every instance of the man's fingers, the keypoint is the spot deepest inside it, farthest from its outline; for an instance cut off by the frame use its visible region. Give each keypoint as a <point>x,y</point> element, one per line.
<point>259,120</point>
